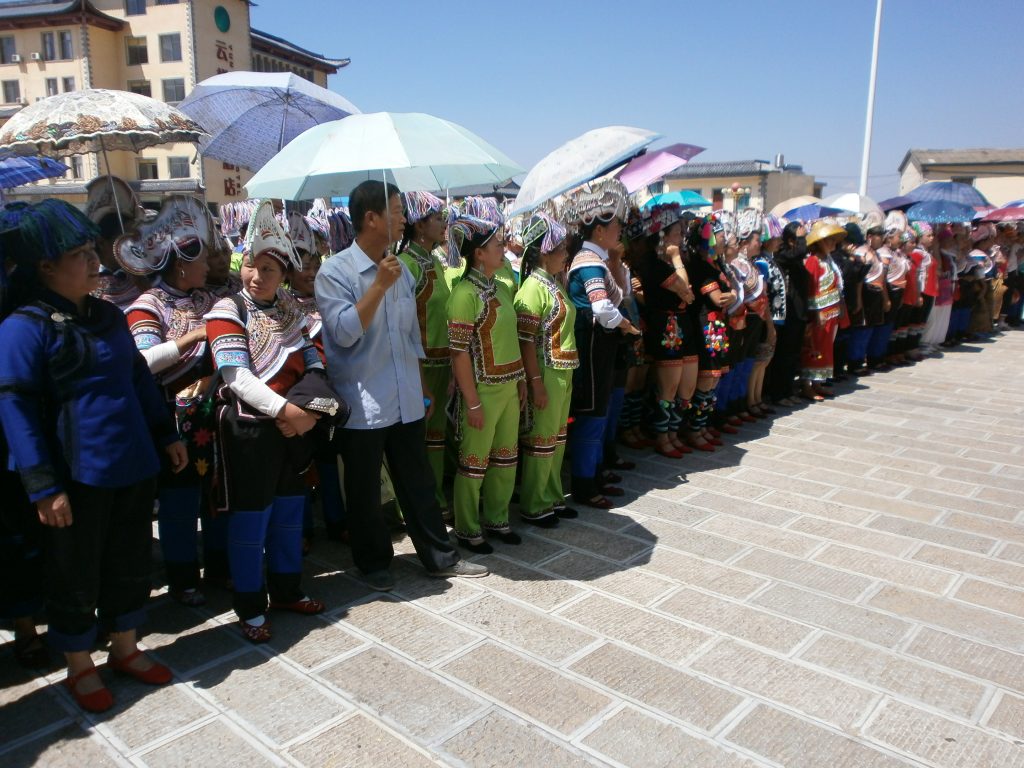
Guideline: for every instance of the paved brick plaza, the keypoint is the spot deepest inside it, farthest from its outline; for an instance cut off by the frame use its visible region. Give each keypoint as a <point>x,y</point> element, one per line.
<point>847,590</point>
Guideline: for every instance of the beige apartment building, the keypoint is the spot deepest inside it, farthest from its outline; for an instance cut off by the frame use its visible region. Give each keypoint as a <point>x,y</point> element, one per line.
<point>739,184</point>
<point>997,173</point>
<point>160,48</point>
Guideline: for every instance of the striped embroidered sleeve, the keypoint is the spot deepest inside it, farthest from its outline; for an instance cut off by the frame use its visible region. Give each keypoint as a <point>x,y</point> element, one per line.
<point>228,340</point>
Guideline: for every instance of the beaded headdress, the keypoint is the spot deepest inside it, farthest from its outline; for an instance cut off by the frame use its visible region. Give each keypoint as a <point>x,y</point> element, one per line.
<point>265,235</point>
<point>181,229</point>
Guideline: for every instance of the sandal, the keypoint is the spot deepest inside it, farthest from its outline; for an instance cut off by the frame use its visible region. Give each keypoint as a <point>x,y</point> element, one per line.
<point>97,701</point>
<point>307,606</point>
<point>597,502</point>
<point>623,466</point>
<point>254,634</point>
<point>157,674</point>
<point>611,478</point>
<point>612,490</point>
<point>192,598</point>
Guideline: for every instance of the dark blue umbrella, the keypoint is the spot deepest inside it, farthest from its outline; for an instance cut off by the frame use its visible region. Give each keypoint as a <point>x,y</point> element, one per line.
<point>900,202</point>
<point>16,170</point>
<point>950,191</point>
<point>940,211</point>
<point>812,212</point>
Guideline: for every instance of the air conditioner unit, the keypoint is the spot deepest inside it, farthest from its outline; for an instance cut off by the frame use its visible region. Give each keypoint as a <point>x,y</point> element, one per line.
<point>36,56</point>
<point>15,58</point>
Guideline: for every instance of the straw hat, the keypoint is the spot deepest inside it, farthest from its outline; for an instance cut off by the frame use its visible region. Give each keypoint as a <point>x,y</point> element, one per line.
<point>824,229</point>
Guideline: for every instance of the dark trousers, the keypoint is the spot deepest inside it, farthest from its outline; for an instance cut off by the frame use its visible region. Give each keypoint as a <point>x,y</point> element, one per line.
<point>362,452</point>
<point>101,563</point>
<point>21,554</point>
<point>783,367</point>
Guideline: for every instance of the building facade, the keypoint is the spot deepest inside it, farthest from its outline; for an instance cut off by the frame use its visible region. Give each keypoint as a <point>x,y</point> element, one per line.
<point>742,184</point>
<point>159,48</point>
<point>997,173</point>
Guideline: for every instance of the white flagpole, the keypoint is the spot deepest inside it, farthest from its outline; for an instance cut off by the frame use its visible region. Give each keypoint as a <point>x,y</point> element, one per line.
<point>865,162</point>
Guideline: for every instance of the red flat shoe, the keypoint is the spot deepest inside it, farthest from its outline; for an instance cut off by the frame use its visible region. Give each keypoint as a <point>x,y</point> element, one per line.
<point>734,421</point>
<point>714,441</point>
<point>98,701</point>
<point>157,674</point>
<point>707,447</point>
<point>254,634</point>
<point>307,606</point>
<point>728,429</point>
<point>612,490</point>
<point>682,448</point>
<point>749,418</point>
<point>668,453</point>
<point>713,432</point>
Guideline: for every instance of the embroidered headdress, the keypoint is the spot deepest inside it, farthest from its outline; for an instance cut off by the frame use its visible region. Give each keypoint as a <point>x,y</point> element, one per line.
<point>651,221</point>
<point>748,223</point>
<point>600,201</point>
<point>110,194</point>
<point>300,233</point>
<point>420,205</point>
<point>265,235</point>
<point>544,231</point>
<point>476,218</point>
<point>181,229</point>
<point>771,228</point>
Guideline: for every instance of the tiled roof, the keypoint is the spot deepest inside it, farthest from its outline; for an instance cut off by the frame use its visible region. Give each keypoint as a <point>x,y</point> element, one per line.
<point>731,168</point>
<point>278,42</point>
<point>19,9</point>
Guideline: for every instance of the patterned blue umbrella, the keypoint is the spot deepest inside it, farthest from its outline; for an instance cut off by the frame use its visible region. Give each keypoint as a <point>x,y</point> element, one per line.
<point>16,170</point>
<point>813,212</point>
<point>900,202</point>
<point>949,191</point>
<point>940,212</point>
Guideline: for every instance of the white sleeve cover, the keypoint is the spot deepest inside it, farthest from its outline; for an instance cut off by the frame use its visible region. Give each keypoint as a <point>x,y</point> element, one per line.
<point>606,313</point>
<point>161,356</point>
<point>253,391</point>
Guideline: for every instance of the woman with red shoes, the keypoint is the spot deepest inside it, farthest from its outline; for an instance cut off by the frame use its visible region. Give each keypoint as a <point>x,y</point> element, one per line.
<point>260,345</point>
<point>89,419</point>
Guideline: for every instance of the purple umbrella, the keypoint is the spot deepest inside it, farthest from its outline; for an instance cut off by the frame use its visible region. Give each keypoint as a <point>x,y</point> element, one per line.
<point>948,191</point>
<point>899,203</point>
<point>651,166</point>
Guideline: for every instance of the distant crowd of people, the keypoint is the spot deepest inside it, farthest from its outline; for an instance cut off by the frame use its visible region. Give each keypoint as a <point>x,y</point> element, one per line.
<point>138,369</point>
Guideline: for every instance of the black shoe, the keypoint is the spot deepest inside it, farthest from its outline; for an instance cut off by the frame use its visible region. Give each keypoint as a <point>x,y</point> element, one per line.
<point>548,521</point>
<point>508,537</point>
<point>566,513</point>
<point>483,548</point>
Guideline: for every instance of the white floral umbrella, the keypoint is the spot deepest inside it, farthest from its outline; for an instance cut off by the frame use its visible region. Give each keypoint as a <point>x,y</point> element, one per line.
<point>96,120</point>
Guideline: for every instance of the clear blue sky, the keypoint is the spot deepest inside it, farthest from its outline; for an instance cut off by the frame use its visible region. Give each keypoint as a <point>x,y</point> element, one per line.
<point>744,79</point>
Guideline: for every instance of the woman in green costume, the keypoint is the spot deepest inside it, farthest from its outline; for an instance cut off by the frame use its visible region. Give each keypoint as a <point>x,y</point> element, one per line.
<point>424,229</point>
<point>546,319</point>
<point>488,372</point>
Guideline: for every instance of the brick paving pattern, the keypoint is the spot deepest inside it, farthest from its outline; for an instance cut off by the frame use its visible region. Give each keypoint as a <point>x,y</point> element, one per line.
<point>844,589</point>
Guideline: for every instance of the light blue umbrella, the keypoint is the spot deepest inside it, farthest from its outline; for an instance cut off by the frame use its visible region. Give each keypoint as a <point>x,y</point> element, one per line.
<point>940,212</point>
<point>684,198</point>
<point>412,150</point>
<point>251,116</point>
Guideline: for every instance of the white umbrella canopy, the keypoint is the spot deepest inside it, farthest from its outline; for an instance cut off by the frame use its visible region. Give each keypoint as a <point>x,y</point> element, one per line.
<point>251,116</point>
<point>96,120</point>
<point>794,202</point>
<point>412,150</point>
<point>854,202</point>
<point>578,161</point>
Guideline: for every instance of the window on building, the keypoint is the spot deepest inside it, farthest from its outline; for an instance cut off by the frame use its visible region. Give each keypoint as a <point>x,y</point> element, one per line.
<point>134,7</point>
<point>147,169</point>
<point>68,83</point>
<point>7,49</point>
<point>49,46</point>
<point>137,52</point>
<point>12,91</point>
<point>67,47</point>
<point>178,167</point>
<point>170,47</point>
<point>51,86</point>
<point>76,167</point>
<point>140,87</point>
<point>174,90</point>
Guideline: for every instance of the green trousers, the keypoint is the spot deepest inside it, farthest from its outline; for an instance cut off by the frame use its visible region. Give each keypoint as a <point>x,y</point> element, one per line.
<point>436,379</point>
<point>540,487</point>
<point>487,463</point>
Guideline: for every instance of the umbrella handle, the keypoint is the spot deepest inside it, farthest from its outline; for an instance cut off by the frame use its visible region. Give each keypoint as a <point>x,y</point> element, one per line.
<point>110,178</point>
